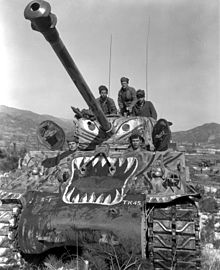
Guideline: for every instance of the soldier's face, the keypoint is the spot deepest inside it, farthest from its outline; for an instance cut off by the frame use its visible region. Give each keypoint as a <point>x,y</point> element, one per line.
<point>140,100</point>
<point>124,84</point>
<point>136,143</point>
<point>72,146</point>
<point>103,94</point>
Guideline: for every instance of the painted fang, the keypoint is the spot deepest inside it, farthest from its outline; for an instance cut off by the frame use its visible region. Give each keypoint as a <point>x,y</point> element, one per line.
<point>93,183</point>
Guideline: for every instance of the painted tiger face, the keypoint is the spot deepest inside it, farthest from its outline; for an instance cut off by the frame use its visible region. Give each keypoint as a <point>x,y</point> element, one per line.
<point>99,179</point>
<point>102,178</point>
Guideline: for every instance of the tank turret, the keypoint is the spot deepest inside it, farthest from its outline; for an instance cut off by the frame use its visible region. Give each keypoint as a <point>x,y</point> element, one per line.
<point>113,130</point>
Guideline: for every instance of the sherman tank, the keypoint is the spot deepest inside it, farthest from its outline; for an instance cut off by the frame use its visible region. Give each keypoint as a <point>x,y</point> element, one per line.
<point>131,209</point>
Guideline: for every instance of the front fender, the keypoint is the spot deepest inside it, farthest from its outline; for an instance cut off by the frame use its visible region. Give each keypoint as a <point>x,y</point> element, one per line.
<point>48,222</point>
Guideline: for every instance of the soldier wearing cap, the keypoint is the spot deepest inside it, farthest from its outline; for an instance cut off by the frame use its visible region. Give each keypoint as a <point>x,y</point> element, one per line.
<point>126,97</point>
<point>143,107</point>
<point>61,164</point>
<point>72,141</point>
<point>106,103</point>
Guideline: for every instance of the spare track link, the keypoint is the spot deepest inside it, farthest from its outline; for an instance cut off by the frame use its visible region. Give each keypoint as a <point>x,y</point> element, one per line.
<point>10,257</point>
<point>172,236</point>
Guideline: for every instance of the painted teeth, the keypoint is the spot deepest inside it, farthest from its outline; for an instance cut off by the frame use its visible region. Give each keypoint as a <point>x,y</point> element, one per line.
<point>69,194</point>
<point>87,159</point>
<point>117,197</point>
<point>95,162</point>
<point>112,160</point>
<point>121,161</point>
<point>100,199</point>
<point>92,198</point>
<point>84,198</point>
<point>103,161</point>
<point>76,199</point>
<point>107,199</point>
<point>78,161</point>
<point>130,162</point>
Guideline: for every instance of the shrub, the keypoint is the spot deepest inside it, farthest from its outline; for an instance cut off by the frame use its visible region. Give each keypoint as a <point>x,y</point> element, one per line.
<point>208,205</point>
<point>207,233</point>
<point>9,163</point>
<point>217,194</point>
<point>210,259</point>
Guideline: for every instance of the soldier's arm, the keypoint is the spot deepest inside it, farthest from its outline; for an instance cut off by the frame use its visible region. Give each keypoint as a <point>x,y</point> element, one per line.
<point>120,104</point>
<point>134,111</point>
<point>134,97</point>
<point>153,111</point>
<point>113,108</point>
<point>51,162</point>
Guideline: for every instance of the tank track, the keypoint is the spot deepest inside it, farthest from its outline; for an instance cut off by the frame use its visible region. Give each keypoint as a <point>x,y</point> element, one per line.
<point>172,235</point>
<point>10,209</point>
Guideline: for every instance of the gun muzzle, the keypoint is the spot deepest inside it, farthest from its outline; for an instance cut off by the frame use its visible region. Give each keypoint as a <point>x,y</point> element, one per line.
<point>42,20</point>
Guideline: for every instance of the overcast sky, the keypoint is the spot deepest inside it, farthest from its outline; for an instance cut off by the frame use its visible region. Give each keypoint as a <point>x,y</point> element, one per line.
<point>183,56</point>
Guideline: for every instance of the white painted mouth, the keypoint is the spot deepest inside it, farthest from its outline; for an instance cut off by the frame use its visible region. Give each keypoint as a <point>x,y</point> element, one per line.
<point>122,168</point>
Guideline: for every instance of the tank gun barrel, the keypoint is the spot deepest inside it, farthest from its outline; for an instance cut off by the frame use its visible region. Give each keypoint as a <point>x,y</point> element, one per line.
<point>42,20</point>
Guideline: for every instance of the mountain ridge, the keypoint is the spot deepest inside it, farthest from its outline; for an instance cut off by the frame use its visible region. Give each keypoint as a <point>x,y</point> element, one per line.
<point>17,125</point>
<point>20,126</point>
<point>208,132</point>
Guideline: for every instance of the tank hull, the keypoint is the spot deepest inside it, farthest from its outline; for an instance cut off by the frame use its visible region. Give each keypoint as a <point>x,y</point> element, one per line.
<point>166,234</point>
<point>48,222</point>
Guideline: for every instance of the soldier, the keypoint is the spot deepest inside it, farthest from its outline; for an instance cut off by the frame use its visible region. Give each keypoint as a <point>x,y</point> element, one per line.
<point>126,97</point>
<point>136,143</point>
<point>107,104</point>
<point>161,135</point>
<point>72,142</point>
<point>143,107</point>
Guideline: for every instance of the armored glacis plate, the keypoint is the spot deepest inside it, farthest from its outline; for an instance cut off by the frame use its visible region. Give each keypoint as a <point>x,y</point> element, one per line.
<point>51,135</point>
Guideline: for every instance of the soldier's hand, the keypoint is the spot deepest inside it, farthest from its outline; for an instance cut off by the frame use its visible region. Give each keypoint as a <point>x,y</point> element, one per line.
<point>152,148</point>
<point>129,109</point>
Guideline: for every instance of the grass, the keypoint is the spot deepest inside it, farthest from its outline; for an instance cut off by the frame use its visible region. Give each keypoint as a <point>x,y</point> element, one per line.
<point>52,263</point>
<point>107,257</point>
<point>210,261</point>
<point>210,258</point>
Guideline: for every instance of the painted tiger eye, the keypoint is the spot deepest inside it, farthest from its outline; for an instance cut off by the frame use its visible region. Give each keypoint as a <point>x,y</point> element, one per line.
<point>126,127</point>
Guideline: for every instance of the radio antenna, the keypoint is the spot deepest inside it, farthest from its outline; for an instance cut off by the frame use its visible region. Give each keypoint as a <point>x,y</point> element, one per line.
<point>147,47</point>
<point>110,65</point>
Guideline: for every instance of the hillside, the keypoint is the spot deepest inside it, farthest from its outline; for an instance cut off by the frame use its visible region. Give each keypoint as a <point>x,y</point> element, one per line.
<point>207,133</point>
<point>20,126</point>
